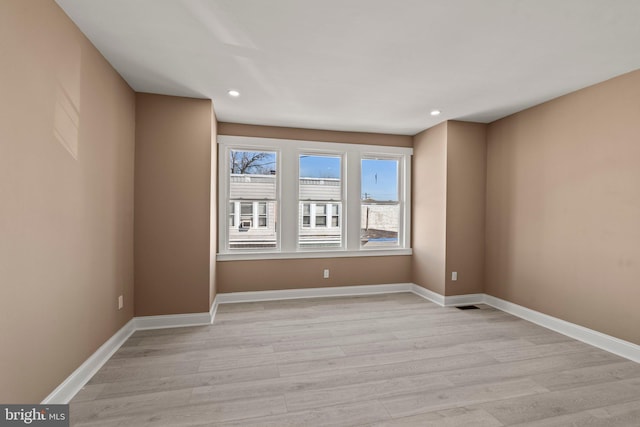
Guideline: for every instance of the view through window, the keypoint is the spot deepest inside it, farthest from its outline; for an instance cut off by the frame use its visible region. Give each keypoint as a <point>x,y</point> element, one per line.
<point>282,198</point>
<point>380,203</point>
<point>320,196</point>
<point>253,200</point>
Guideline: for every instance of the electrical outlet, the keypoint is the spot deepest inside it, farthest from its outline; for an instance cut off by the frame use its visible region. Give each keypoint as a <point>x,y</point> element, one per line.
<point>326,273</point>
<point>454,276</point>
<point>120,302</point>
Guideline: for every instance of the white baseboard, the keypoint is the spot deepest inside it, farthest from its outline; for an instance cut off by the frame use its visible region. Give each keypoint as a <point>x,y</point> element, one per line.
<point>74,382</point>
<point>458,300</point>
<point>589,336</point>
<point>428,295</point>
<point>284,294</point>
<point>172,321</point>
<point>69,387</point>
<point>72,385</point>
<point>597,339</point>
<point>213,310</point>
<point>65,391</point>
<point>443,301</point>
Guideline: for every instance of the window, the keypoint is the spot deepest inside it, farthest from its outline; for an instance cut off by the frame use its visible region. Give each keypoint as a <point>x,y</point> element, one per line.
<point>250,214</point>
<point>380,204</point>
<point>295,199</point>
<point>320,195</point>
<point>232,214</point>
<point>252,200</point>
<point>246,215</point>
<point>262,214</point>
<point>306,215</point>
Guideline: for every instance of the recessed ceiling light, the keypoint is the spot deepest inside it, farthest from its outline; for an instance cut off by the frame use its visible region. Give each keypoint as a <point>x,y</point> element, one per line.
<point>234,93</point>
<point>435,112</point>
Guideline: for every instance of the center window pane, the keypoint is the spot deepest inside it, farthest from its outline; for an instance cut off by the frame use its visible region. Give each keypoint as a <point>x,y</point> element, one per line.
<point>320,201</point>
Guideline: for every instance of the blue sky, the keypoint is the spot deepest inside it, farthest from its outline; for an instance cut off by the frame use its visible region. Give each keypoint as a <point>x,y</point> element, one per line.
<point>319,167</point>
<point>379,177</point>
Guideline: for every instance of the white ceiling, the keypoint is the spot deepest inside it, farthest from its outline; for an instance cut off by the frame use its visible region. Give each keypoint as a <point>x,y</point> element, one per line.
<point>363,65</point>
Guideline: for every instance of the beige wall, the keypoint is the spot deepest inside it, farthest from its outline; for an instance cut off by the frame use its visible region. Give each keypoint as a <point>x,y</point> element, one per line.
<point>429,208</point>
<point>238,276</point>
<point>314,135</point>
<point>563,208</point>
<point>66,199</point>
<point>466,177</point>
<point>262,275</point>
<point>172,205</point>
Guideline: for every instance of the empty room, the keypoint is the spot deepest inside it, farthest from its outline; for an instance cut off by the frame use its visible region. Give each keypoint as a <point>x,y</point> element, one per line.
<point>320,213</point>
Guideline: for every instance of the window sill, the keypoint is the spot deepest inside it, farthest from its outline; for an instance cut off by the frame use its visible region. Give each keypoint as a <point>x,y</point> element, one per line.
<point>247,256</point>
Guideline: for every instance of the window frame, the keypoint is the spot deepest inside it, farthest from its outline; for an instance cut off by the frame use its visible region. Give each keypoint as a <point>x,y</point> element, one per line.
<point>287,216</point>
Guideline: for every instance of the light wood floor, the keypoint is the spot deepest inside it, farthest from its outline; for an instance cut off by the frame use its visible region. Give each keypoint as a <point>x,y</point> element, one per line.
<point>377,360</point>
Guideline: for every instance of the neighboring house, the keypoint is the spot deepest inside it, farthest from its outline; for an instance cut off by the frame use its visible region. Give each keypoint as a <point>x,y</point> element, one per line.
<point>253,213</point>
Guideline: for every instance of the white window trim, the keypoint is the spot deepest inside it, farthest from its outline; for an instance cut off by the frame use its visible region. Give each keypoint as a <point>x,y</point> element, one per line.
<point>302,254</point>
<point>404,194</point>
<point>287,183</point>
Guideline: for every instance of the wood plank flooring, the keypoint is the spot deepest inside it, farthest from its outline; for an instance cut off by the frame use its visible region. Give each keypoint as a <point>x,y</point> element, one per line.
<point>383,360</point>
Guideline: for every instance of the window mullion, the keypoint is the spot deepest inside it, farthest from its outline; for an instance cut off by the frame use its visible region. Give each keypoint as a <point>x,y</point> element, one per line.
<point>288,213</point>
<point>351,206</point>
<point>223,197</point>
<point>406,200</point>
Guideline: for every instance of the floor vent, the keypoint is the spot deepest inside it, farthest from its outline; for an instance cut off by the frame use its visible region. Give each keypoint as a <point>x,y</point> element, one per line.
<point>468,307</point>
